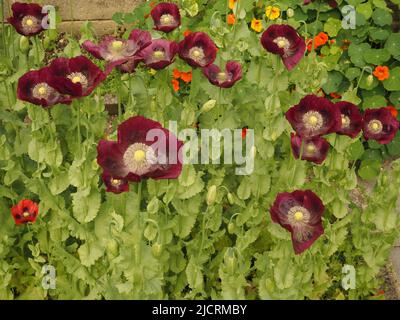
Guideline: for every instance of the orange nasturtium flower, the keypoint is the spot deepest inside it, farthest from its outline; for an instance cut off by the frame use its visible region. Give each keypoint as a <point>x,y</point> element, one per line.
<point>186,33</point>
<point>272,13</point>
<point>393,111</point>
<point>232,4</point>
<point>256,25</point>
<point>231,19</point>
<point>176,74</point>
<point>381,73</point>
<point>323,37</point>
<point>186,76</point>
<point>175,85</point>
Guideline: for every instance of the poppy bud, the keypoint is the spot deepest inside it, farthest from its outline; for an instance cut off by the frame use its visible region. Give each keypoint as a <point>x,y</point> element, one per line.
<point>370,80</point>
<point>231,199</point>
<point>156,249</point>
<point>112,248</point>
<point>46,42</point>
<point>211,195</point>
<point>24,44</point>
<point>231,228</point>
<point>150,232</point>
<point>290,12</point>
<point>208,106</point>
<point>125,77</point>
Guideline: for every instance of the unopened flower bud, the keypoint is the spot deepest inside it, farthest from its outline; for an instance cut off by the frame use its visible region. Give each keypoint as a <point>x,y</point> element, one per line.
<point>290,12</point>
<point>24,44</point>
<point>211,195</point>
<point>208,106</point>
<point>370,80</point>
<point>156,249</point>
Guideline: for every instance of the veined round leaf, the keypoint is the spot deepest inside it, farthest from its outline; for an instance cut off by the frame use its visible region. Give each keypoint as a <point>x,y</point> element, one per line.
<point>374,102</point>
<point>393,44</point>
<point>382,17</point>
<point>376,56</point>
<point>393,83</point>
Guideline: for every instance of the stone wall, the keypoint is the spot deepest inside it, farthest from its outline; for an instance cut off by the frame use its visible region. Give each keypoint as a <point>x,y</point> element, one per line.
<point>99,12</point>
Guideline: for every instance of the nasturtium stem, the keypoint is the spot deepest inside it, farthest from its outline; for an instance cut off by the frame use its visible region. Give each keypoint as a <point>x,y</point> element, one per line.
<point>362,74</point>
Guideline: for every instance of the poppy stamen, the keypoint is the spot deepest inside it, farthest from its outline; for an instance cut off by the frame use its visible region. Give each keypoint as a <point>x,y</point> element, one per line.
<point>282,43</point>
<point>41,91</point>
<point>196,54</point>
<point>345,121</point>
<point>139,158</point>
<point>313,120</point>
<point>78,77</point>
<point>30,23</point>
<point>375,126</point>
<point>167,20</point>
<point>159,55</point>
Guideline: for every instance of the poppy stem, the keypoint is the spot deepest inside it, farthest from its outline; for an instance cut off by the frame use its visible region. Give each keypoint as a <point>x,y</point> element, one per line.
<point>315,27</point>
<point>119,85</point>
<point>3,36</point>
<point>139,192</point>
<point>37,51</point>
<point>78,123</point>
<point>7,93</point>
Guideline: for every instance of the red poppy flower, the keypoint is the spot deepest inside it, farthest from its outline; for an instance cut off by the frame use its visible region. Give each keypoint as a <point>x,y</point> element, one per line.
<point>115,185</point>
<point>380,125</point>
<point>40,87</point>
<point>25,211</point>
<point>332,3</point>
<point>27,18</point>
<point>82,74</point>
<point>300,213</point>
<point>286,42</point>
<point>313,149</point>
<point>224,79</point>
<point>198,50</point>
<point>166,17</point>
<point>159,54</point>
<point>117,51</point>
<point>314,116</point>
<point>144,150</point>
<point>352,120</point>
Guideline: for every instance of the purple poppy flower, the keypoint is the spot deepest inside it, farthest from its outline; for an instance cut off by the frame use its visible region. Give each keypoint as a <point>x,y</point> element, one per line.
<point>300,213</point>
<point>332,3</point>
<point>115,185</point>
<point>80,71</point>
<point>380,125</point>
<point>224,79</point>
<point>27,18</point>
<point>117,51</point>
<point>313,149</point>
<point>314,116</point>
<point>198,50</point>
<point>144,150</point>
<point>286,42</point>
<point>40,87</point>
<point>352,120</point>
<point>159,54</point>
<point>166,17</point>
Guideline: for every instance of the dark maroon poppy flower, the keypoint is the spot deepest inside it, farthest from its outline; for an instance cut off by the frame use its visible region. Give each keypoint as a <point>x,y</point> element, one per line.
<point>224,79</point>
<point>117,51</point>
<point>332,3</point>
<point>380,125</point>
<point>27,18</point>
<point>159,54</point>
<point>24,212</point>
<point>166,17</point>
<point>82,74</point>
<point>352,120</point>
<point>314,116</point>
<point>144,150</point>
<point>300,213</point>
<point>129,66</point>
<point>313,149</point>
<point>286,42</point>
<point>40,87</point>
<point>198,50</point>
<point>115,185</point>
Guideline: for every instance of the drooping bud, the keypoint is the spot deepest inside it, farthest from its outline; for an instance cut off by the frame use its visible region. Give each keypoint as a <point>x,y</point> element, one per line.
<point>211,195</point>
<point>24,44</point>
<point>290,13</point>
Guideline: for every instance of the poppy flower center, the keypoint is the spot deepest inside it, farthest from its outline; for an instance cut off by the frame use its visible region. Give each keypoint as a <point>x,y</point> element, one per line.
<point>139,158</point>
<point>26,214</point>
<point>345,121</point>
<point>117,45</point>
<point>313,120</point>
<point>167,20</point>
<point>282,43</point>
<point>30,23</point>
<point>41,91</point>
<point>196,54</point>
<point>375,126</point>
<point>222,76</point>
<point>115,182</point>
<point>77,77</point>
<point>310,148</point>
<point>159,55</point>
<point>298,216</point>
